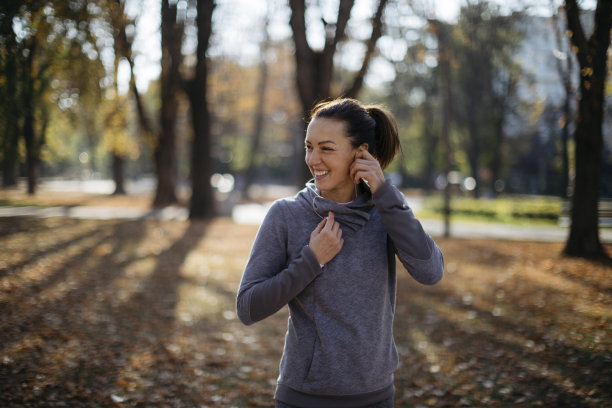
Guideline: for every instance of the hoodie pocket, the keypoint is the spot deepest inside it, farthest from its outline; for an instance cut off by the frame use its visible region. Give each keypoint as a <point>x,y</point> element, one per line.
<point>350,368</point>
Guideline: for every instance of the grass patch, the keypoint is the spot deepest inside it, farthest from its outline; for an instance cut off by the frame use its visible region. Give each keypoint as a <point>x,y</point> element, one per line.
<point>510,210</point>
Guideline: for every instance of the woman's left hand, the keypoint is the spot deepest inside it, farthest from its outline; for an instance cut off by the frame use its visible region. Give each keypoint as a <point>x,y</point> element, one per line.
<point>366,167</point>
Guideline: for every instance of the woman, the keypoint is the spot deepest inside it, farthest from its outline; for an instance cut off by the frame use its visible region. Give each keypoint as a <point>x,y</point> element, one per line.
<point>329,253</point>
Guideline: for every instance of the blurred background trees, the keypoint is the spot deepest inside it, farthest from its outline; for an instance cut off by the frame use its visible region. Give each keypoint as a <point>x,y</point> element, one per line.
<point>211,103</point>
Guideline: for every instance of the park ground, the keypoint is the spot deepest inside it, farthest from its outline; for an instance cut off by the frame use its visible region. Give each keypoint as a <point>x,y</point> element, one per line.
<point>140,313</point>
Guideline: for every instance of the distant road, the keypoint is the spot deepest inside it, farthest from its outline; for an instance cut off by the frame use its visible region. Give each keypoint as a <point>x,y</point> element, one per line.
<point>254,213</point>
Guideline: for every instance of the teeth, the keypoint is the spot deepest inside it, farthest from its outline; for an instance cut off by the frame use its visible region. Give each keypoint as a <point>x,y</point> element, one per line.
<point>320,172</point>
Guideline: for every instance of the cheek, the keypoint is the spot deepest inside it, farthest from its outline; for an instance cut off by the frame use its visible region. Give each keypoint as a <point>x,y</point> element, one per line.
<point>344,165</point>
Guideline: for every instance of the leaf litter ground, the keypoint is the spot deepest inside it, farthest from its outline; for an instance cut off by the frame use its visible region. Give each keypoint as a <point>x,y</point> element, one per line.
<point>135,313</point>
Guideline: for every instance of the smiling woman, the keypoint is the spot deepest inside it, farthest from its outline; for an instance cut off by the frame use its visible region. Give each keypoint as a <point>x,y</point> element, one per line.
<point>329,253</point>
<point>361,140</point>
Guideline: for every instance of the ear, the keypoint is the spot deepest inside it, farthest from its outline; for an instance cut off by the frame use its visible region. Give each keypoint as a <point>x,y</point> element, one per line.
<point>364,146</point>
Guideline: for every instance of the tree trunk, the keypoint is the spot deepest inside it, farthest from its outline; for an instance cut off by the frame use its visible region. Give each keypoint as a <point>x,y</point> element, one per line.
<point>251,171</point>
<point>11,136</point>
<point>583,239</point>
<point>123,48</point>
<point>565,72</point>
<point>33,146</point>
<point>119,174</point>
<point>202,204</point>
<point>29,134</point>
<point>565,136</point>
<point>9,162</point>
<point>12,103</point>
<point>473,152</point>
<point>444,60</point>
<point>431,142</point>
<point>171,38</point>
<point>498,154</point>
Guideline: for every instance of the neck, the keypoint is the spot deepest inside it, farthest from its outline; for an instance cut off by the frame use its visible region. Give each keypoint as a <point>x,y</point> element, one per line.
<point>341,197</point>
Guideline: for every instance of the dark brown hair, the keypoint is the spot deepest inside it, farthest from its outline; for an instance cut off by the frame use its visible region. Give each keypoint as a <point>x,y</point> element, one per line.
<point>371,124</point>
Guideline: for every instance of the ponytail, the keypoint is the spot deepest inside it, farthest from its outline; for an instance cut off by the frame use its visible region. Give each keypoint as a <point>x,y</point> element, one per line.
<point>386,136</point>
<point>370,124</point>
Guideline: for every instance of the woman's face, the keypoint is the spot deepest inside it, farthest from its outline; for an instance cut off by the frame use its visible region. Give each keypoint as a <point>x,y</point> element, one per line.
<point>329,154</point>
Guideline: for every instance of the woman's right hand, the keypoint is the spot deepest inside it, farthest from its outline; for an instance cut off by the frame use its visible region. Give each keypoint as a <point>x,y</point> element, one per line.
<point>326,239</point>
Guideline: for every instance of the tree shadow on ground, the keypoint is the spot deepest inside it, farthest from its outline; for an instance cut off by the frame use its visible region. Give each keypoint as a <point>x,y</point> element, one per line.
<point>73,341</point>
<point>512,333</point>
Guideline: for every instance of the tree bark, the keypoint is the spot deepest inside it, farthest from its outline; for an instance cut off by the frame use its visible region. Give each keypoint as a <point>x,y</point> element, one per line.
<point>202,204</point>
<point>171,39</point>
<point>583,240</point>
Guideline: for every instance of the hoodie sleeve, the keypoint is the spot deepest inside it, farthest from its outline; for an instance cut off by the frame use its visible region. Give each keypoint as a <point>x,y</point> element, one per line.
<point>269,282</point>
<point>415,248</point>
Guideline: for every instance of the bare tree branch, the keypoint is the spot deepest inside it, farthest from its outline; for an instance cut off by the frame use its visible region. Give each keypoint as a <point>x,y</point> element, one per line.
<point>371,47</point>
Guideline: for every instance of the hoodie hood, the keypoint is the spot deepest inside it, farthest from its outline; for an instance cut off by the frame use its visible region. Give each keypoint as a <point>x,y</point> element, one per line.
<point>352,216</point>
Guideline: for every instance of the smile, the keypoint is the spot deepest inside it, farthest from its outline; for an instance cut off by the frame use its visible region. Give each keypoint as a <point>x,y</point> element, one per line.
<point>320,173</point>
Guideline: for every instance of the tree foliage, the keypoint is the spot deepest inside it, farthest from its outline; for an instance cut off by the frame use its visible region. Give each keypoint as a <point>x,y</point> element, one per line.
<point>50,62</point>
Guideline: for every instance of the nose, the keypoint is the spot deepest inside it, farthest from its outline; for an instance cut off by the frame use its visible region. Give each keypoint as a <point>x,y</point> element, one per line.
<point>312,158</point>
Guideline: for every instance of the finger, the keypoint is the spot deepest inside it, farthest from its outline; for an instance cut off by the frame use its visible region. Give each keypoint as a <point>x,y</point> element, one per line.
<point>339,232</point>
<point>335,228</point>
<point>356,168</point>
<point>341,243</point>
<point>330,218</point>
<point>359,174</point>
<point>321,225</point>
<point>365,155</point>
<point>329,223</point>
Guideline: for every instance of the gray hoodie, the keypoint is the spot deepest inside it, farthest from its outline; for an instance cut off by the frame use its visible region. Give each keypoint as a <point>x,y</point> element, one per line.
<point>339,348</point>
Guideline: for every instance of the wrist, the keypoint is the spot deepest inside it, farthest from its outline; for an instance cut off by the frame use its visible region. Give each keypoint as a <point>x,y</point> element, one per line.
<point>316,257</point>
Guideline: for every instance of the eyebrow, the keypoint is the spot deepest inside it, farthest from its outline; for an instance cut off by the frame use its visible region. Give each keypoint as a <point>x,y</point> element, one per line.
<point>320,143</point>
